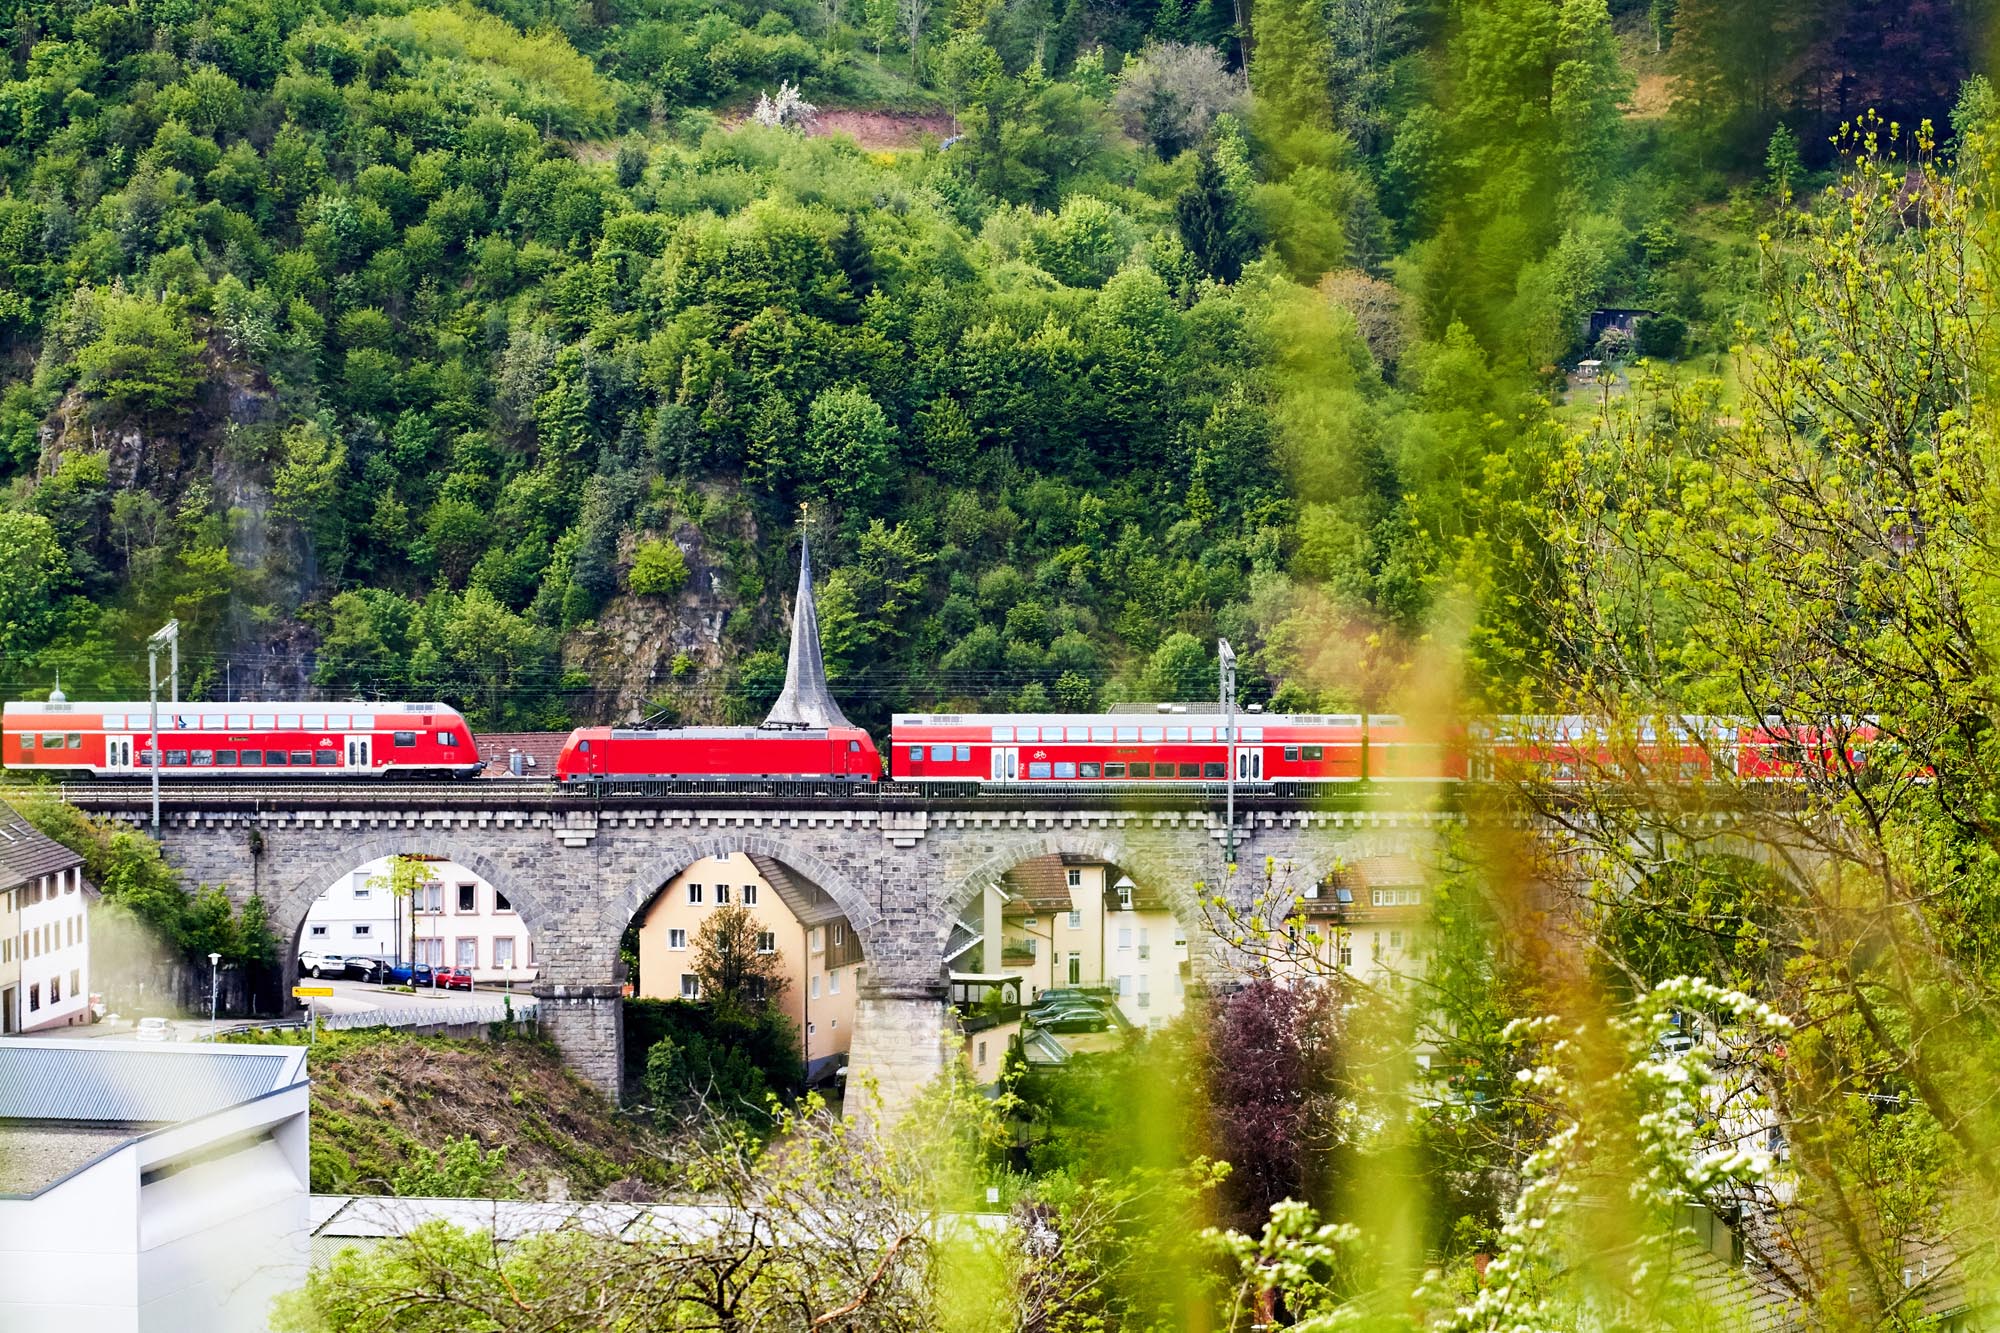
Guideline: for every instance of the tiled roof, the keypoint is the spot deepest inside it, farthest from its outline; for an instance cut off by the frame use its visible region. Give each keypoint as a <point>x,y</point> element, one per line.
<point>544,747</point>
<point>1037,884</point>
<point>26,853</point>
<point>129,1083</point>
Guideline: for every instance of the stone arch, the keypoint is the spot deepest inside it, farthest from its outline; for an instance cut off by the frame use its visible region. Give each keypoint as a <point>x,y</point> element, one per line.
<point>622,907</point>
<point>296,897</point>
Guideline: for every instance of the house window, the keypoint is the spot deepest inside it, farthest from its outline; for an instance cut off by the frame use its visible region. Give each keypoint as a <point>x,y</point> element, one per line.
<point>1076,879</point>
<point>317,932</point>
<point>1395,939</point>
<point>818,940</point>
<point>1346,954</point>
<point>34,997</point>
<point>468,898</point>
<point>981,1056</point>
<point>1124,986</point>
<point>75,980</point>
<point>503,952</point>
<point>833,983</point>
<point>1076,921</point>
<point>812,1029</point>
<point>362,892</point>
<point>1124,937</point>
<point>694,894</point>
<point>721,894</point>
<point>767,941</point>
<point>833,1023</point>
<point>690,986</point>
<point>55,990</point>
<point>500,903</point>
<point>815,988</point>
<point>1076,969</point>
<point>749,895</point>
<point>677,940</point>
<point>468,954</point>
<point>840,935</point>
<point>1125,896</point>
<point>363,932</point>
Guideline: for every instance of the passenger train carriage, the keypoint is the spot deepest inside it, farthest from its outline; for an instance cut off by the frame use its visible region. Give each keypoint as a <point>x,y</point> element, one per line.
<point>595,755</point>
<point>293,741</point>
<point>1171,746</point>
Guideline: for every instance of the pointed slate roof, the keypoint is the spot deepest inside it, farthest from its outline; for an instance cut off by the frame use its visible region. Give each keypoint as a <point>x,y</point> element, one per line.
<point>806,701</point>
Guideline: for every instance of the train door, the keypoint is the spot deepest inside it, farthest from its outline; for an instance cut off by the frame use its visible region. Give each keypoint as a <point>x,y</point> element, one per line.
<point>1249,765</point>
<point>1006,763</point>
<point>357,753</point>
<point>118,752</point>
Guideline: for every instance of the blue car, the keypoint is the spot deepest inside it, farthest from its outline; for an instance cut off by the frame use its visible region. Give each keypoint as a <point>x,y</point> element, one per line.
<point>403,974</point>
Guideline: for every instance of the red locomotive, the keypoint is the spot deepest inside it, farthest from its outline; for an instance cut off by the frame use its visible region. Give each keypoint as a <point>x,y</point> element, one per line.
<point>291,740</point>
<point>596,755</point>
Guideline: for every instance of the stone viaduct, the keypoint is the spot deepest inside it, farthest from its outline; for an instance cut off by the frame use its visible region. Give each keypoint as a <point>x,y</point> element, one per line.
<point>579,871</point>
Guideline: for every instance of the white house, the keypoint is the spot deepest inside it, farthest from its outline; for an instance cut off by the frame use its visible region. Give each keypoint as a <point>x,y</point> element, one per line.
<point>461,921</point>
<point>150,1188</point>
<point>44,930</point>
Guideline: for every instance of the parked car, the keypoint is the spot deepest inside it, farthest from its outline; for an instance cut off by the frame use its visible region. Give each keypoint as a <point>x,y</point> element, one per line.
<point>404,974</point>
<point>1080,1018</point>
<point>322,964</point>
<point>452,978</point>
<point>152,1029</point>
<point>364,969</point>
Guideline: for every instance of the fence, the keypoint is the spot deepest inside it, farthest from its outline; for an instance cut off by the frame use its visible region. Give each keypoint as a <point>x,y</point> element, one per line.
<point>446,1016</point>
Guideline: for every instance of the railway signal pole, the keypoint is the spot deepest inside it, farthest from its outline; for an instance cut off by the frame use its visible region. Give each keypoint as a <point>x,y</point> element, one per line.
<point>168,636</point>
<point>1226,660</point>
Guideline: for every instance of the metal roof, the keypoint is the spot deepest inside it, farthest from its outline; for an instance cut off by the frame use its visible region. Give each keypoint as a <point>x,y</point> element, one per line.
<point>130,1083</point>
<point>26,853</point>
<point>806,700</point>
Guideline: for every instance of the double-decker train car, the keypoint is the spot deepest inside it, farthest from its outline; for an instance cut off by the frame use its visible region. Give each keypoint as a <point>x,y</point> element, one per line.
<point>596,756</point>
<point>1575,749</point>
<point>292,741</point>
<point>1172,746</point>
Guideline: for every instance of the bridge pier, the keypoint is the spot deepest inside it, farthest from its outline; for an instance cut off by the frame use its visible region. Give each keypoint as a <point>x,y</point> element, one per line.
<point>587,1024</point>
<point>901,1042</point>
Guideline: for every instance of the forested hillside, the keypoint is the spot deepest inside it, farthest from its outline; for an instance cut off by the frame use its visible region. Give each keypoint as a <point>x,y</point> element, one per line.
<point>488,352</point>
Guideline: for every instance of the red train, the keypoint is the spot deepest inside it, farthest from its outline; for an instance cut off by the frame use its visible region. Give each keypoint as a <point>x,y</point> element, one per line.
<point>593,755</point>
<point>289,740</point>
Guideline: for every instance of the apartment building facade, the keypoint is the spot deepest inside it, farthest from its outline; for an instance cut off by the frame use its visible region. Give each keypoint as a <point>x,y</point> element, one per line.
<point>45,907</point>
<point>819,951</point>
<point>453,919</point>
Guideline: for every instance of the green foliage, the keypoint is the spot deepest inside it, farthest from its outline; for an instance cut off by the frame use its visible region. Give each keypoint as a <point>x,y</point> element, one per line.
<point>658,569</point>
<point>134,355</point>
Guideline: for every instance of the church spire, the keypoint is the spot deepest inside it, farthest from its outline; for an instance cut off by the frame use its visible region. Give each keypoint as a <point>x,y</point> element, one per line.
<point>806,701</point>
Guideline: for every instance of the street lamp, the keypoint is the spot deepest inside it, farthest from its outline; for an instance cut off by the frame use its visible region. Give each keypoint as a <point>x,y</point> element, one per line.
<point>214,970</point>
<point>1226,661</point>
<point>167,636</point>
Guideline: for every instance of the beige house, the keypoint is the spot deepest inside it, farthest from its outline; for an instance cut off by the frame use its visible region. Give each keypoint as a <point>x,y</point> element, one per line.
<point>1369,919</point>
<point>797,921</point>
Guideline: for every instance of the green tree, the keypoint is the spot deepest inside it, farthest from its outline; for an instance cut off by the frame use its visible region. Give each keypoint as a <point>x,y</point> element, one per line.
<point>658,569</point>
<point>1180,670</point>
<point>33,570</point>
<point>849,449</point>
<point>140,356</point>
<point>735,968</point>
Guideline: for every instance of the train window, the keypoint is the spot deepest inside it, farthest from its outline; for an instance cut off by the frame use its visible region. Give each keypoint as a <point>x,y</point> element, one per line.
<point>1114,770</point>
<point>854,747</point>
<point>1176,733</point>
<point>916,754</point>
<point>315,721</point>
<point>1291,752</point>
<point>225,758</point>
<point>288,721</point>
<point>211,722</point>
<point>1215,770</point>
<point>177,758</point>
<point>448,739</point>
<point>940,754</point>
<point>1027,733</point>
<point>326,758</point>
<point>1065,770</point>
<point>1038,770</point>
<point>1128,733</point>
<point>1092,770</point>
<point>253,759</point>
<point>1142,770</point>
<point>74,740</point>
<point>336,722</point>
<point>204,759</point>
<point>27,742</point>
<point>274,758</point>
<point>1003,733</point>
<point>1100,733</point>
<point>962,753</point>
<point>239,722</point>
<point>302,758</point>
<point>1314,752</point>
<point>1194,770</point>
<point>1077,733</point>
<point>1149,733</point>
<point>405,739</point>
<point>364,722</point>
<point>1204,733</point>
<point>264,721</point>
<point>51,741</point>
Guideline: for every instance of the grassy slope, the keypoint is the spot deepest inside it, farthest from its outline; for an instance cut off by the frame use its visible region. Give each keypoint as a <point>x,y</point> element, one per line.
<point>377,1096</point>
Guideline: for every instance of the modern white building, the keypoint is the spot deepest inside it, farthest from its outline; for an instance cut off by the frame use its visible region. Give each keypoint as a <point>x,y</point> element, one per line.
<point>44,930</point>
<point>150,1188</point>
<point>461,921</point>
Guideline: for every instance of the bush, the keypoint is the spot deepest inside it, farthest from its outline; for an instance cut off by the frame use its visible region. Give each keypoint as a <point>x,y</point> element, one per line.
<point>658,569</point>
<point>1663,337</point>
